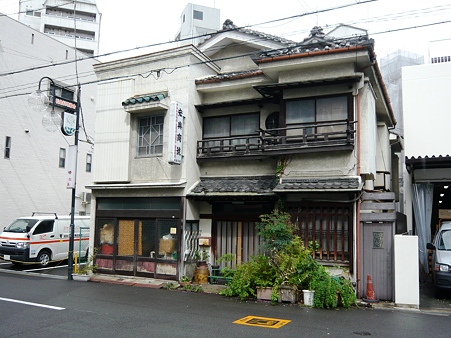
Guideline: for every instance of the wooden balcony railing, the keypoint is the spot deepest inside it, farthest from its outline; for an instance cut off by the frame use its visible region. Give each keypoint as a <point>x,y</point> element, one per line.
<point>330,135</point>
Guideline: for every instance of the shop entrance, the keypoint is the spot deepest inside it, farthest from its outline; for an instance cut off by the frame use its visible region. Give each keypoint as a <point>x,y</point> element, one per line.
<point>138,247</point>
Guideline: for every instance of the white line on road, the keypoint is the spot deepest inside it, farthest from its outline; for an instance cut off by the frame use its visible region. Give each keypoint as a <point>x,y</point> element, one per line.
<point>32,304</point>
<point>49,268</point>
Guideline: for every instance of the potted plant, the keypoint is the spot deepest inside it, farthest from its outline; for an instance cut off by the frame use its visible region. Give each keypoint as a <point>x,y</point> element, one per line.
<point>84,272</point>
<point>184,280</point>
<point>201,274</point>
<point>201,257</point>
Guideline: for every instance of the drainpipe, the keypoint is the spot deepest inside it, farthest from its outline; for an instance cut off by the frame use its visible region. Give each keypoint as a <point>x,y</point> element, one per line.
<point>358,201</point>
<point>356,94</point>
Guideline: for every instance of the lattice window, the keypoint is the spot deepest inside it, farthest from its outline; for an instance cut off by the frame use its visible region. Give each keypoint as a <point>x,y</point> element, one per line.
<point>327,229</point>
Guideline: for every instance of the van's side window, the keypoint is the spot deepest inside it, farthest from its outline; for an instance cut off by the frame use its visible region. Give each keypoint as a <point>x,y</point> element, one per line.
<point>43,227</point>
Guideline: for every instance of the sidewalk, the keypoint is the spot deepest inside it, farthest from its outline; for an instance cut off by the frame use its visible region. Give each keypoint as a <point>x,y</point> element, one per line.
<point>428,303</point>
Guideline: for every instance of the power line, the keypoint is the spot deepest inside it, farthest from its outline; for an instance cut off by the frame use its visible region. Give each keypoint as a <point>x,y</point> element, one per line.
<point>189,38</point>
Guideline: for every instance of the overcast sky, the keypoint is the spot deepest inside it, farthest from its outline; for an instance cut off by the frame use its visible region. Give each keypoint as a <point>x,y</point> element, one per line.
<point>136,23</point>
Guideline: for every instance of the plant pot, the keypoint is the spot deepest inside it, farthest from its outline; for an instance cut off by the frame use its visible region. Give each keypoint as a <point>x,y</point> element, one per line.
<point>287,294</point>
<point>81,278</point>
<point>264,293</point>
<point>309,297</point>
<point>201,275</point>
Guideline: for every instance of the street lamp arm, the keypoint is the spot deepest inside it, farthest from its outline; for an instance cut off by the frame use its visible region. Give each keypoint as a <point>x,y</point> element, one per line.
<point>46,77</point>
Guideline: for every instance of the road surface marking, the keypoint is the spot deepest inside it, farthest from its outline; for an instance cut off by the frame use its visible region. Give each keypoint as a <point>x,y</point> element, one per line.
<point>272,323</point>
<point>48,268</point>
<point>32,304</point>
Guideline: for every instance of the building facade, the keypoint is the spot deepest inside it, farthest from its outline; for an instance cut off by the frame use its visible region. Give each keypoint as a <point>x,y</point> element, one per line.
<point>76,23</point>
<point>193,144</point>
<point>195,22</point>
<point>34,162</point>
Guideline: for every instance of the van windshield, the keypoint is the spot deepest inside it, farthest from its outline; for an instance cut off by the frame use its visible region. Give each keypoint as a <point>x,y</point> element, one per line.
<point>445,240</point>
<point>21,225</point>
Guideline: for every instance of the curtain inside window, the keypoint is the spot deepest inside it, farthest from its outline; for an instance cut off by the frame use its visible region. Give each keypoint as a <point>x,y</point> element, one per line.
<point>422,207</point>
<point>332,108</point>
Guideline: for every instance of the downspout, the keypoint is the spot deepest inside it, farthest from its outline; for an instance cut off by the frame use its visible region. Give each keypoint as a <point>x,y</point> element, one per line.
<point>358,201</point>
<point>358,230</point>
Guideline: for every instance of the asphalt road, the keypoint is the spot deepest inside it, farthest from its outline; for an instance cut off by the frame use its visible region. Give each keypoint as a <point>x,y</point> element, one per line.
<point>39,306</point>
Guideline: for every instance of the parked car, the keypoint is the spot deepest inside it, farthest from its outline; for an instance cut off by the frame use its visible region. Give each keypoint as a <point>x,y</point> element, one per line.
<point>43,238</point>
<point>441,258</point>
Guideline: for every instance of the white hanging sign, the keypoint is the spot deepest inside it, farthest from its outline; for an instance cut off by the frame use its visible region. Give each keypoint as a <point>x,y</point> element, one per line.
<point>69,123</point>
<point>71,167</point>
<point>175,133</point>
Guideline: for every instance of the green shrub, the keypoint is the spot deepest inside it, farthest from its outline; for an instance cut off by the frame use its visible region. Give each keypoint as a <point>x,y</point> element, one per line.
<point>248,276</point>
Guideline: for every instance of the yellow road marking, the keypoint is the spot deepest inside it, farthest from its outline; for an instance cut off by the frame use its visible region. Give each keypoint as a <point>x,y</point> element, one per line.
<point>273,323</point>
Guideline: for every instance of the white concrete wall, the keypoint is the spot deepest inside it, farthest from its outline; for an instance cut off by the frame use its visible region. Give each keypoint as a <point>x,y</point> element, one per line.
<point>427,102</point>
<point>407,288</point>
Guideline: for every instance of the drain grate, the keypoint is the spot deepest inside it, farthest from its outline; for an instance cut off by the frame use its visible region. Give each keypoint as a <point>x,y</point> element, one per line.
<point>272,323</point>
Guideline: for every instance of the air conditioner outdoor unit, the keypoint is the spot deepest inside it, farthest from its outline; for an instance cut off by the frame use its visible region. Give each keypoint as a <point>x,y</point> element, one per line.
<point>86,197</point>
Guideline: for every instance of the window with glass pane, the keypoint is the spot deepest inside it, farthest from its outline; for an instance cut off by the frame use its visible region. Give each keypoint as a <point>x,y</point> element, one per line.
<point>317,110</point>
<point>198,15</point>
<point>88,162</point>
<point>216,127</point>
<point>300,111</point>
<point>332,109</point>
<point>7,147</point>
<point>230,126</point>
<point>62,161</point>
<point>150,135</point>
<point>244,124</point>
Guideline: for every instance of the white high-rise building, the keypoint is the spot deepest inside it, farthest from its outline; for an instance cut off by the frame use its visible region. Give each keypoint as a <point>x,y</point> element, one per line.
<point>34,162</point>
<point>196,21</point>
<point>75,23</point>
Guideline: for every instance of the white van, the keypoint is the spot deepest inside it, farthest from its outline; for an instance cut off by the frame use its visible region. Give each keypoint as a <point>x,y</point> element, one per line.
<point>441,257</point>
<point>43,238</point>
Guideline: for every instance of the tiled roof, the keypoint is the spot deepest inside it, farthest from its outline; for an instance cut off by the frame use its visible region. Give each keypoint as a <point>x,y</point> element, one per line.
<point>230,76</point>
<point>319,184</point>
<point>229,25</point>
<point>143,99</point>
<point>428,162</point>
<point>318,41</point>
<point>236,185</point>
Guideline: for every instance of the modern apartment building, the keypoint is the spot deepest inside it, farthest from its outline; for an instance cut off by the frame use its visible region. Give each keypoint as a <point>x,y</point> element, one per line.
<point>34,162</point>
<point>75,23</point>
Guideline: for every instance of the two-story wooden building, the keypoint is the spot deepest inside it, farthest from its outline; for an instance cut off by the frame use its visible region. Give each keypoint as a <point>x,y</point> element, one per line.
<point>197,142</point>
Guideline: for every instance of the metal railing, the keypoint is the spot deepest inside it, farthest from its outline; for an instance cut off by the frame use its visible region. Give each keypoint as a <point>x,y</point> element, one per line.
<point>293,138</point>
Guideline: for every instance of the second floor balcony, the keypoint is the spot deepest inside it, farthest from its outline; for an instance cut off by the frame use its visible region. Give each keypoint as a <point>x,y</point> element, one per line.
<point>306,137</point>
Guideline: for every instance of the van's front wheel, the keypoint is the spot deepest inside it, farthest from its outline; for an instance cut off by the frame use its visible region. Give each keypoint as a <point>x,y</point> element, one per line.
<point>44,258</point>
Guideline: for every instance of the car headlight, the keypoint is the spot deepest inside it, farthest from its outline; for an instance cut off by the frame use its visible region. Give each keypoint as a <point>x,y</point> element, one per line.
<point>22,245</point>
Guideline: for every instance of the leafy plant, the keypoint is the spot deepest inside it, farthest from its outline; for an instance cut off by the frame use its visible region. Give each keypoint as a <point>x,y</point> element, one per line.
<point>276,229</point>
<point>329,290</point>
<point>192,288</point>
<point>228,257</point>
<point>185,279</point>
<point>248,276</point>
<point>201,255</point>
<point>89,266</point>
<point>170,286</point>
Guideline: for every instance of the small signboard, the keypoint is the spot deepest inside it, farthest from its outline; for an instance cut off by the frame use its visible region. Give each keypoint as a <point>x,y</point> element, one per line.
<point>175,133</point>
<point>71,167</point>
<point>69,124</point>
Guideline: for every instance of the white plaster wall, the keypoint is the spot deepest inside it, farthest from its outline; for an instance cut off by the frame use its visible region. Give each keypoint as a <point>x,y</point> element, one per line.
<point>368,132</point>
<point>426,106</point>
<point>383,155</point>
<point>407,288</point>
